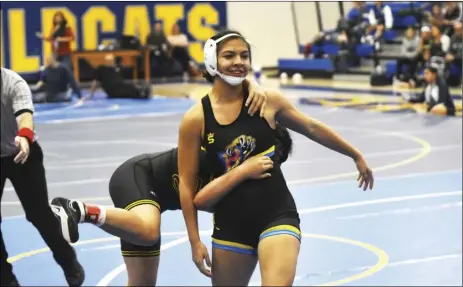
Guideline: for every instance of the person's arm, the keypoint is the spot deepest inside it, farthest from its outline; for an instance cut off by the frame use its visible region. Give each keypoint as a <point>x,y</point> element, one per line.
<point>415,53</point>
<point>419,99</point>
<point>445,97</point>
<point>287,115</point>
<point>257,98</point>
<point>50,36</point>
<point>189,147</point>
<point>93,87</point>
<point>213,192</point>
<point>39,84</point>
<point>404,47</point>
<point>23,109</point>
<point>253,168</point>
<point>96,77</point>
<point>292,118</point>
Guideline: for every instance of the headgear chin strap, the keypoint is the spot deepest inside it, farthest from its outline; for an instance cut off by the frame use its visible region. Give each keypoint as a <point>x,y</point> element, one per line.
<point>210,60</point>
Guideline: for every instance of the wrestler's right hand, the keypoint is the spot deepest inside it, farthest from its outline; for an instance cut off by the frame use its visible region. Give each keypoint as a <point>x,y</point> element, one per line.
<point>200,254</point>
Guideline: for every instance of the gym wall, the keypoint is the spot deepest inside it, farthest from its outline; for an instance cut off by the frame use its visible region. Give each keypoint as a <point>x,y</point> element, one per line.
<point>274,28</point>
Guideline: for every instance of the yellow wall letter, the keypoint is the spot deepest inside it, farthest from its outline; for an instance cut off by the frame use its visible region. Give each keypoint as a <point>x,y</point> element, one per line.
<point>198,31</point>
<point>90,19</point>
<point>20,62</point>
<point>169,14</point>
<point>137,20</point>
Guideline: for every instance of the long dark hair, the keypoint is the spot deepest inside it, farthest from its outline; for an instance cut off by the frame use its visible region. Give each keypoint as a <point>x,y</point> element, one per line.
<point>284,146</point>
<point>62,26</point>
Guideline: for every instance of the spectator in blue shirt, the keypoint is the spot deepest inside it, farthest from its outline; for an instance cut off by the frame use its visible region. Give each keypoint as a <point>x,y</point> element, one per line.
<point>54,83</point>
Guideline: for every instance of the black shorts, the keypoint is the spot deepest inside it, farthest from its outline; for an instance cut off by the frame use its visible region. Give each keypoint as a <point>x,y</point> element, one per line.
<point>131,185</point>
<point>244,238</point>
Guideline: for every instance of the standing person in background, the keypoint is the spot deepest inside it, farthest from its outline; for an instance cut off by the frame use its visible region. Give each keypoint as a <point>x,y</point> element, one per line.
<point>179,45</point>
<point>160,53</point>
<point>60,37</point>
<point>22,164</point>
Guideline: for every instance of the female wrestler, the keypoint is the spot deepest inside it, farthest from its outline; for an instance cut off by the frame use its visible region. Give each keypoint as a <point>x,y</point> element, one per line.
<point>141,189</point>
<point>258,219</point>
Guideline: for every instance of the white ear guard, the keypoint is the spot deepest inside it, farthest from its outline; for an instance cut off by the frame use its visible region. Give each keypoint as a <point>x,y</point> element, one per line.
<point>210,53</point>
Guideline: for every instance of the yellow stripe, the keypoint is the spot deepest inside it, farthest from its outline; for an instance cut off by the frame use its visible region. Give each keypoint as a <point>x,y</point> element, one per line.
<point>282,227</point>
<point>232,244</point>
<point>141,254</point>
<point>142,201</point>
<point>140,251</point>
<point>270,150</point>
<point>203,148</point>
<point>382,258</point>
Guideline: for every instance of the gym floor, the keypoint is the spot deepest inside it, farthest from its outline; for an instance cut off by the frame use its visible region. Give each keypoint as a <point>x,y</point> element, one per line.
<point>407,231</point>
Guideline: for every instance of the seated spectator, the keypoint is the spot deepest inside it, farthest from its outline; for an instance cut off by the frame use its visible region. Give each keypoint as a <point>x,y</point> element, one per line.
<point>435,98</point>
<point>424,46</point>
<point>54,83</point>
<point>381,19</point>
<point>358,20</point>
<point>157,42</point>
<point>435,17</point>
<point>347,33</point>
<point>456,46</point>
<point>452,15</point>
<point>179,43</point>
<point>440,42</point>
<point>340,36</point>
<point>454,54</point>
<point>410,51</point>
<point>113,83</point>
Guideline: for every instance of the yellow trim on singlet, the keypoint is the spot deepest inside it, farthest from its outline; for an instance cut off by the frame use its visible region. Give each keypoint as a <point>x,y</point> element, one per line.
<point>269,152</point>
<point>141,202</point>
<point>203,148</point>
<point>282,227</point>
<point>152,253</point>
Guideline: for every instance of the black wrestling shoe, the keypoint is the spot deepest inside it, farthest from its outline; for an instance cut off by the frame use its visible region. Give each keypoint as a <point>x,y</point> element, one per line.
<point>69,213</point>
<point>75,274</point>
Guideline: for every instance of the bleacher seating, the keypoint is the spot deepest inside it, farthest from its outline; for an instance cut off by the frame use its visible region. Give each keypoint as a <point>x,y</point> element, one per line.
<point>314,68</point>
<point>365,51</point>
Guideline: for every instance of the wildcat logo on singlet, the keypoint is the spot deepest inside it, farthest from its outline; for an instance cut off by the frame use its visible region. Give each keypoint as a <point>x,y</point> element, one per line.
<point>176,183</point>
<point>237,152</point>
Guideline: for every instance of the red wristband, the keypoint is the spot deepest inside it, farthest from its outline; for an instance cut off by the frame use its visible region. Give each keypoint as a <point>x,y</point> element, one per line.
<point>27,133</point>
